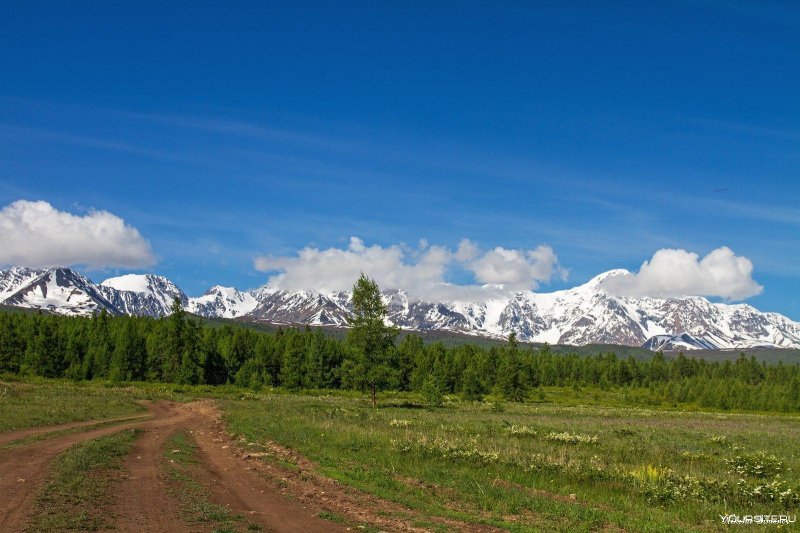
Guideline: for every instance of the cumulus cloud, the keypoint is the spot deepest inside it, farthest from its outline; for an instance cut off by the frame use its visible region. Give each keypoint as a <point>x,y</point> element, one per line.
<point>336,269</point>
<point>467,250</point>
<point>517,268</point>
<point>36,234</point>
<point>672,272</point>
<point>421,271</point>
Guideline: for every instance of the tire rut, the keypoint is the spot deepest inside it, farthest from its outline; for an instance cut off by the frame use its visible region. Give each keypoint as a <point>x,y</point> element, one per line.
<point>24,469</point>
<point>9,437</point>
<point>144,502</point>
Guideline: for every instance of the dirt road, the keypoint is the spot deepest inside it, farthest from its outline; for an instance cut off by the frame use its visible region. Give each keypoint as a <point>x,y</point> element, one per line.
<point>142,500</point>
<point>11,436</point>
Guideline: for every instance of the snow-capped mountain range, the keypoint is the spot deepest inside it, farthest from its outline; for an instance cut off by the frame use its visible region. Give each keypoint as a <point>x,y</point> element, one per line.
<point>586,314</point>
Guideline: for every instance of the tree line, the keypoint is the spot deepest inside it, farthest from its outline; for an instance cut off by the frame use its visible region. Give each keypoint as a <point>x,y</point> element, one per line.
<point>181,349</point>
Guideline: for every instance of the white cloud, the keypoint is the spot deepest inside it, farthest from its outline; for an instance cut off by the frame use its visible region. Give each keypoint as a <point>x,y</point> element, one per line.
<point>517,268</point>
<point>467,250</point>
<point>420,271</point>
<point>672,272</point>
<point>36,234</point>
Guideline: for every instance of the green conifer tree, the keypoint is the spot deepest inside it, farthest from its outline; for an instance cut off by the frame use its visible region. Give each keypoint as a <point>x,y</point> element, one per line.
<point>129,358</point>
<point>512,381</point>
<point>472,387</point>
<point>291,375</point>
<point>432,392</point>
<point>370,339</point>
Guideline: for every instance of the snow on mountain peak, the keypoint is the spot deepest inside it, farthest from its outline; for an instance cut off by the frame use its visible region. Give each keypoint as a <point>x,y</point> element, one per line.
<point>14,278</point>
<point>585,314</point>
<point>59,290</point>
<point>141,283</point>
<point>147,294</point>
<point>129,282</point>
<point>598,280</point>
<point>223,302</point>
<point>225,291</point>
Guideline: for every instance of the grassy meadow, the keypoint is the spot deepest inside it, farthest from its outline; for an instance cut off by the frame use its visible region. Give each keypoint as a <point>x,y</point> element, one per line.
<point>555,465</point>
<point>40,402</point>
<point>564,460</point>
<point>32,402</point>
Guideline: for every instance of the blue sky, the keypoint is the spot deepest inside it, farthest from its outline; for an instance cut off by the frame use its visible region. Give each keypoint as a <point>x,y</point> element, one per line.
<point>607,131</point>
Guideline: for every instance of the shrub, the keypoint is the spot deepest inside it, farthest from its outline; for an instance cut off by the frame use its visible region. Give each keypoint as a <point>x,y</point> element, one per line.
<point>774,491</point>
<point>757,464</point>
<point>432,393</point>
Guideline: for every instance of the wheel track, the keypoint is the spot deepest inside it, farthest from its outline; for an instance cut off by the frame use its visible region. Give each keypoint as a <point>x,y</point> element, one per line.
<point>142,501</point>
<point>24,469</point>
<point>10,436</point>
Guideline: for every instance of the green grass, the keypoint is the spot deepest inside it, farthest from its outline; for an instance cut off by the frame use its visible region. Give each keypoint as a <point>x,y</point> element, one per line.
<point>41,403</point>
<point>649,469</point>
<point>76,495</point>
<point>27,402</point>
<point>654,468</point>
<point>197,509</point>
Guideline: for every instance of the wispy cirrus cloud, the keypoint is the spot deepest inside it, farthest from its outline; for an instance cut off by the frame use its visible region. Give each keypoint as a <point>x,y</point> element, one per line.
<point>90,142</point>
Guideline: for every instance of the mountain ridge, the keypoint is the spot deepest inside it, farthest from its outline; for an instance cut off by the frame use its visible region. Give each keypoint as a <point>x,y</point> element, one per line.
<point>586,314</point>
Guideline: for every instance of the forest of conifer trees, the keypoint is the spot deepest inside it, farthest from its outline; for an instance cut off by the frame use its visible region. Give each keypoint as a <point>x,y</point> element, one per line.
<point>180,349</point>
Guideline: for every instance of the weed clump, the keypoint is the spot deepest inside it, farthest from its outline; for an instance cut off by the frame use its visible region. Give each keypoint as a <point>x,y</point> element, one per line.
<point>572,438</point>
<point>757,464</point>
<point>520,431</point>
<point>443,448</point>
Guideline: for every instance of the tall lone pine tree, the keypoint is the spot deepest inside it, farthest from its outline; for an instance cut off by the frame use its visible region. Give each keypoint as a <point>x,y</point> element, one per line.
<point>371,340</point>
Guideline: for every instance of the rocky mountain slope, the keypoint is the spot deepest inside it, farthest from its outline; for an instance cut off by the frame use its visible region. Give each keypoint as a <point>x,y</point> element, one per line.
<point>586,314</point>
<point>58,290</point>
<point>222,302</point>
<point>142,295</point>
